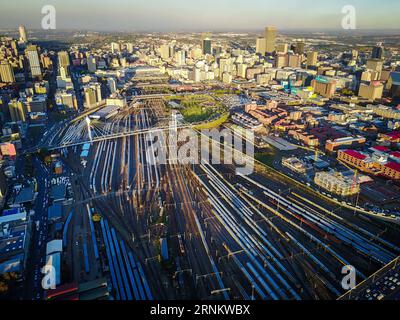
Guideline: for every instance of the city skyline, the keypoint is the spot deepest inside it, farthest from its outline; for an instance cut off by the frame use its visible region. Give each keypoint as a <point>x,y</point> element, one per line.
<point>228,151</point>
<point>156,15</point>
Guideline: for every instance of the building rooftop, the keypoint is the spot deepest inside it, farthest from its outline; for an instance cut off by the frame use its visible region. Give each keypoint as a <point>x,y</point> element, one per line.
<point>54,212</point>
<point>393,165</point>
<point>381,148</point>
<point>395,154</point>
<point>14,242</point>
<point>12,265</point>
<point>54,246</point>
<point>58,192</point>
<point>27,194</point>
<point>355,154</point>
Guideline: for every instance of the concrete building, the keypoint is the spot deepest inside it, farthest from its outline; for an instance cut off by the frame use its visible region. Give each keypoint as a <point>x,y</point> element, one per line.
<point>372,91</point>
<point>270,39</point>
<point>295,165</point>
<point>345,142</point>
<point>6,72</point>
<point>336,183</point>
<point>67,99</point>
<point>92,94</point>
<point>91,64</point>
<point>312,59</point>
<point>17,111</point>
<point>324,86</point>
<point>375,65</point>
<point>207,47</point>
<point>260,46</point>
<point>32,55</point>
<point>22,34</point>
<point>64,62</point>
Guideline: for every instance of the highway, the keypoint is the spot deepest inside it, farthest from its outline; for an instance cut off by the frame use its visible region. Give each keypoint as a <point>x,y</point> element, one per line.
<point>38,243</point>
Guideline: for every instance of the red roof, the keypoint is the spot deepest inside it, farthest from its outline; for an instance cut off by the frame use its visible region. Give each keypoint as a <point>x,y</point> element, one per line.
<point>394,135</point>
<point>355,154</point>
<point>61,290</point>
<point>394,166</point>
<point>395,154</point>
<point>381,148</point>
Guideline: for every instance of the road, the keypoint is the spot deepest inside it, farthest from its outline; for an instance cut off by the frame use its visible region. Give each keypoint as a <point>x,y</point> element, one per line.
<point>36,260</point>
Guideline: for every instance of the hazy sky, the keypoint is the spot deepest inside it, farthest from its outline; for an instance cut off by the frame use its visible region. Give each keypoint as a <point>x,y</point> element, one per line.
<point>180,15</point>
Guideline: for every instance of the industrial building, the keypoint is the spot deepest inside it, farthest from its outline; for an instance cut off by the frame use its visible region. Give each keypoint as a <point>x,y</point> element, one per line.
<point>336,183</point>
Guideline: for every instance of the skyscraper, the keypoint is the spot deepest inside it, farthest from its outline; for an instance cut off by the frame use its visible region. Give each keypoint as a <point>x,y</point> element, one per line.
<point>207,46</point>
<point>378,51</point>
<point>63,61</point>
<point>112,84</point>
<point>115,47</point>
<point>294,60</point>
<point>282,48</point>
<point>324,86</point>
<point>204,35</point>
<point>22,34</point>
<point>164,51</point>
<point>6,72</point>
<point>17,111</point>
<point>312,58</point>
<point>300,45</point>
<point>270,38</point>
<point>91,64</point>
<point>92,93</point>
<point>32,55</point>
<point>260,46</point>
<point>129,47</point>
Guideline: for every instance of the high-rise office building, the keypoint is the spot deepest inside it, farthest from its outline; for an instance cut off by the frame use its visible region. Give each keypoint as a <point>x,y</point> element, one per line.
<point>129,47</point>
<point>115,47</point>
<point>281,60</point>
<point>90,97</point>
<point>6,72</point>
<point>204,35</point>
<point>91,64</point>
<point>300,45</point>
<point>164,51</point>
<point>260,46</point>
<point>63,61</point>
<point>378,51</point>
<point>312,58</point>
<point>375,65</point>
<point>372,91</point>
<point>270,39</point>
<point>294,60</point>
<point>112,84</point>
<point>282,48</point>
<point>17,111</point>
<point>324,86</point>
<point>32,55</point>
<point>22,34</point>
<point>207,49</point>
<point>92,94</point>
<point>67,99</point>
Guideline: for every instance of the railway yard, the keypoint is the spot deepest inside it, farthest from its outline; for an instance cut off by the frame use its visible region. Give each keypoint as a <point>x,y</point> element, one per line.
<point>228,236</point>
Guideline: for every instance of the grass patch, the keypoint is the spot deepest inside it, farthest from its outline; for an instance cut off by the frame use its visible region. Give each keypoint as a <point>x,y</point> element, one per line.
<point>213,124</point>
<point>265,158</point>
<point>196,113</point>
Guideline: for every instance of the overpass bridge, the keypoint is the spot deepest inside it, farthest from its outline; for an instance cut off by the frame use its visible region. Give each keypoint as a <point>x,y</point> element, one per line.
<point>84,130</point>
